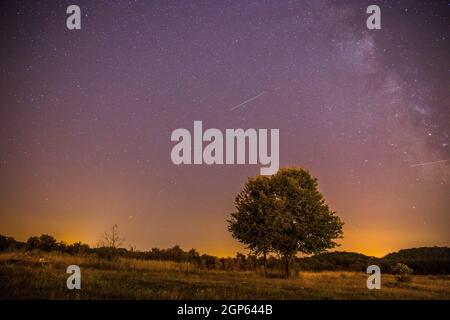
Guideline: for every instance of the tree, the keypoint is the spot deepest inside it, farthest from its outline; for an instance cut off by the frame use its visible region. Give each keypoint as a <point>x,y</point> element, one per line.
<point>7,243</point>
<point>32,243</point>
<point>252,222</point>
<point>77,248</point>
<point>285,214</point>
<point>403,272</point>
<point>303,221</point>
<point>111,240</point>
<point>47,243</point>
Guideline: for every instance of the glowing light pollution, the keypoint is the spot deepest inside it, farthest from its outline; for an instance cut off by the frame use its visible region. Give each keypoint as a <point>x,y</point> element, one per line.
<point>86,116</point>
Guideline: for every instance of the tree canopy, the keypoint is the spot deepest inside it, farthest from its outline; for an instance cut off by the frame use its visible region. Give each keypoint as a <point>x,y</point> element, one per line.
<point>285,214</point>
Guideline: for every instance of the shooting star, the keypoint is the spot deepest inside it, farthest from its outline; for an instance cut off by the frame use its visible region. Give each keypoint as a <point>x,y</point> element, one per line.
<point>247,101</point>
<point>427,163</point>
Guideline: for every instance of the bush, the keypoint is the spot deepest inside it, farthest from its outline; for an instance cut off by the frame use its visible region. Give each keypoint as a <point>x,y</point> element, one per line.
<point>403,272</point>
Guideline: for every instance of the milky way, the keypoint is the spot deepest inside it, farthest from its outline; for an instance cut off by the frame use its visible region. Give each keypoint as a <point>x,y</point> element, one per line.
<point>86,116</point>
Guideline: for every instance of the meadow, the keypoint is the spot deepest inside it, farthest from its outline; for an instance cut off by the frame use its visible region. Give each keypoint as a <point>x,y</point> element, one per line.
<point>31,275</point>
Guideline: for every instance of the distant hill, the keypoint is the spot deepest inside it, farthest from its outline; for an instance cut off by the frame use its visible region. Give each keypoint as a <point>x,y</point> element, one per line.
<point>425,260</point>
<point>349,261</point>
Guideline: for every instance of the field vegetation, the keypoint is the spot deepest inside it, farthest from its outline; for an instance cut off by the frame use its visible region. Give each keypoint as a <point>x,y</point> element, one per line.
<point>42,275</point>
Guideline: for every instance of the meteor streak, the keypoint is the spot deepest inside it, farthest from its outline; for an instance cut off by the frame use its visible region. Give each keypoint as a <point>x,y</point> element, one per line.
<point>427,163</point>
<point>247,101</point>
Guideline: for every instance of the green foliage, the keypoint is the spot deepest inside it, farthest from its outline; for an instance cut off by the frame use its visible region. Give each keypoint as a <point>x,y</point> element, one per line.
<point>285,214</point>
<point>403,272</point>
<point>252,223</point>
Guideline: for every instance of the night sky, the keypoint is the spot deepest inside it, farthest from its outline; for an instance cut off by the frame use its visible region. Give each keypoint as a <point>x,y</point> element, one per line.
<point>86,116</point>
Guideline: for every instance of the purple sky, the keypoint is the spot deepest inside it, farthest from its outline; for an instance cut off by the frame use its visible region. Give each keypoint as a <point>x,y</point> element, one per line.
<point>86,116</point>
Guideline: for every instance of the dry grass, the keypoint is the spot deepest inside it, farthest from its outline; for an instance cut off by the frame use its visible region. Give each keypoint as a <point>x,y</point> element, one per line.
<point>32,275</point>
<point>92,261</point>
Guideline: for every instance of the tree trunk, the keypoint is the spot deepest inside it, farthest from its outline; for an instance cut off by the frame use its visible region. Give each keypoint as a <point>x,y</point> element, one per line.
<point>265,264</point>
<point>287,260</point>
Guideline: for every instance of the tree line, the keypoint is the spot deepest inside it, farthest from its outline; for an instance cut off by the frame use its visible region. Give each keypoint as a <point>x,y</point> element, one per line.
<point>47,243</point>
<point>426,260</point>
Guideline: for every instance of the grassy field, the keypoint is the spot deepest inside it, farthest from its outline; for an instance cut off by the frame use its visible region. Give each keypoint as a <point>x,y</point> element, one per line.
<point>43,276</point>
